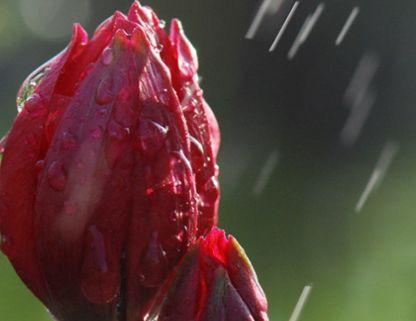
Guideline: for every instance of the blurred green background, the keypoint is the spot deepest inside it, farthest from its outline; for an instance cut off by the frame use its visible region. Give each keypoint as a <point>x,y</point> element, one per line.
<point>298,224</point>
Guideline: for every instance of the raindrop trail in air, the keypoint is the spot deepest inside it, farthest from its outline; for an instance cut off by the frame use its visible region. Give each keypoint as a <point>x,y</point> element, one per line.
<point>283,29</point>
<point>360,98</point>
<point>264,7</point>
<point>305,31</point>
<point>357,119</point>
<point>387,156</point>
<point>265,173</point>
<point>301,303</point>
<point>347,26</point>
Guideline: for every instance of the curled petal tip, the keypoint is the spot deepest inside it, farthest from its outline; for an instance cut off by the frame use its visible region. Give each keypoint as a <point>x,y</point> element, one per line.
<point>79,34</point>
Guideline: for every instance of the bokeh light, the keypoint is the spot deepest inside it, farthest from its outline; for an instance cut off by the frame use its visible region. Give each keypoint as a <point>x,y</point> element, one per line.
<point>52,19</point>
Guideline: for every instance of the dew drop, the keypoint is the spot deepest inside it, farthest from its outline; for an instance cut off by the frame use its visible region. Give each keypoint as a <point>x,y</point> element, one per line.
<point>154,264</point>
<point>123,110</point>
<point>97,133</point>
<point>68,141</point>
<point>4,241</point>
<point>98,247</point>
<point>105,93</point>
<point>100,279</point>
<point>102,112</point>
<point>107,57</point>
<point>3,142</point>
<point>70,208</point>
<point>34,106</point>
<point>117,132</point>
<point>162,24</point>
<point>182,159</point>
<point>40,164</point>
<point>159,47</point>
<point>211,190</point>
<point>30,84</point>
<point>151,136</point>
<point>116,144</point>
<point>197,152</point>
<point>56,176</point>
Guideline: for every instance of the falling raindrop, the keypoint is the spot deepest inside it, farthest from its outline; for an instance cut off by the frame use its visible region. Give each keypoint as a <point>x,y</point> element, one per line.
<point>347,26</point>
<point>265,173</point>
<point>301,303</point>
<point>305,31</point>
<point>265,7</point>
<point>284,27</point>
<point>387,156</point>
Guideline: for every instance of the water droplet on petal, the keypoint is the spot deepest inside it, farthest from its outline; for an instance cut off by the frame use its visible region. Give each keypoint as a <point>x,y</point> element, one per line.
<point>29,86</point>
<point>159,47</point>
<point>35,106</point>
<point>100,279</point>
<point>70,207</point>
<point>116,144</point>
<point>99,249</point>
<point>118,132</point>
<point>97,133</point>
<point>151,136</point>
<point>107,57</point>
<point>162,24</point>
<point>105,93</point>
<point>5,242</point>
<point>182,159</point>
<point>102,112</point>
<point>56,176</point>
<point>197,152</point>
<point>154,264</point>
<point>3,144</point>
<point>68,141</point>
<point>211,191</point>
<point>40,165</point>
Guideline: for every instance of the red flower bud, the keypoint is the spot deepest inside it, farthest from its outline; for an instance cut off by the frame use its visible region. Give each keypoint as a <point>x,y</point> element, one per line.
<point>214,282</point>
<point>109,173</point>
